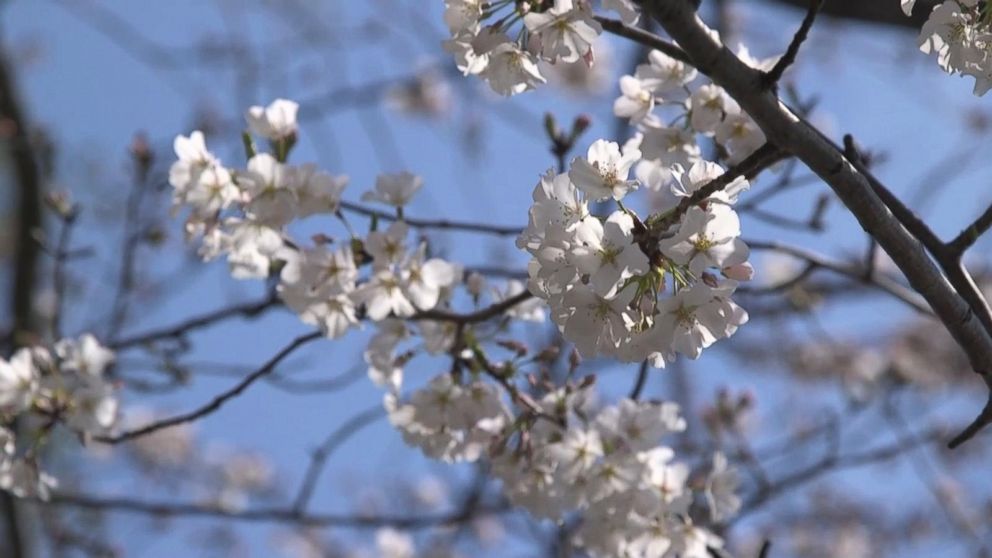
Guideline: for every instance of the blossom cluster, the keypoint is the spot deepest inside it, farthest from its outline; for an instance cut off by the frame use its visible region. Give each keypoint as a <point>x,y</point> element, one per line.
<point>603,282</point>
<point>609,464</point>
<point>545,30</point>
<point>959,32</point>
<point>632,288</point>
<point>244,215</point>
<point>41,388</point>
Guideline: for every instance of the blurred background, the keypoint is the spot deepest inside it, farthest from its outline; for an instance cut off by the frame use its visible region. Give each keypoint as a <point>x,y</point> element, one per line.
<point>835,401</point>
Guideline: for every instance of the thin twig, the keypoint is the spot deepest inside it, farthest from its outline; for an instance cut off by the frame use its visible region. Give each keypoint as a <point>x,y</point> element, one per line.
<point>643,37</point>
<point>981,421</point>
<point>970,235</point>
<point>319,457</point>
<point>246,309</point>
<point>277,515</point>
<point>642,376</point>
<point>217,401</point>
<point>878,281</point>
<point>442,224</point>
<point>775,74</point>
<point>764,157</point>
<point>482,315</point>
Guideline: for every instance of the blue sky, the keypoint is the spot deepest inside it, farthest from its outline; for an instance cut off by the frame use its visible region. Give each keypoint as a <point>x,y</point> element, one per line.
<point>92,95</point>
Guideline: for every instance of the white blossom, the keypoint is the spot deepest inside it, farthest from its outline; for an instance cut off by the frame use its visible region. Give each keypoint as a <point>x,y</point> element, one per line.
<point>276,121</point>
<point>603,172</point>
<point>566,32</point>
<point>394,189</point>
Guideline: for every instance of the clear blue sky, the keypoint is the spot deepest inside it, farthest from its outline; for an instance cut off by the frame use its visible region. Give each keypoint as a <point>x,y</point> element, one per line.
<point>92,95</point>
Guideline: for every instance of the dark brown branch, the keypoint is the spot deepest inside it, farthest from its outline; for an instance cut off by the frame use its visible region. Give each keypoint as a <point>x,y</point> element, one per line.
<point>775,74</point>
<point>953,267</point>
<point>981,421</point>
<point>218,401</point>
<point>785,128</point>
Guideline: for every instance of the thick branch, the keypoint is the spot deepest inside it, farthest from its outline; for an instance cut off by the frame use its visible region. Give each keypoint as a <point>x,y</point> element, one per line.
<point>788,130</point>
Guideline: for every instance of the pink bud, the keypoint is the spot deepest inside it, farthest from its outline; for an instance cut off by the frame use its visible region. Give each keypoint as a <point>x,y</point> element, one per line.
<point>739,272</point>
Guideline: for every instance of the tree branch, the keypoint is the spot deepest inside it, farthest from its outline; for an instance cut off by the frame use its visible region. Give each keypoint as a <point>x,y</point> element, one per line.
<point>482,315</point>
<point>247,309</point>
<point>970,235</point>
<point>785,128</point>
<point>276,515</point>
<point>775,74</point>
<point>642,37</point>
<point>321,454</point>
<point>442,224</point>
<point>218,401</point>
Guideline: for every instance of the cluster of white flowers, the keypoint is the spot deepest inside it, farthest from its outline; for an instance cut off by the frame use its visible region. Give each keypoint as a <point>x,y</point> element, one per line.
<point>545,30</point>
<point>562,457</point>
<point>604,280</point>
<point>633,288</point>
<point>244,214</point>
<point>959,32</point>
<point>617,287</point>
<point>41,388</point>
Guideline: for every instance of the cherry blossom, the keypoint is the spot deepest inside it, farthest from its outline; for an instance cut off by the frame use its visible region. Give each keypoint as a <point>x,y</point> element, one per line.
<point>277,121</point>
<point>566,32</point>
<point>603,172</point>
<point>394,189</point>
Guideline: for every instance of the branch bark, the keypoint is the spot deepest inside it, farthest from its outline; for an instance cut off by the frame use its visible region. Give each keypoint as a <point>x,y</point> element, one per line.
<point>28,185</point>
<point>791,132</point>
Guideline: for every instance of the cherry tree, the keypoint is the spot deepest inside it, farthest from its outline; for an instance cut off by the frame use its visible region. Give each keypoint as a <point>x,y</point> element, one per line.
<point>556,380</point>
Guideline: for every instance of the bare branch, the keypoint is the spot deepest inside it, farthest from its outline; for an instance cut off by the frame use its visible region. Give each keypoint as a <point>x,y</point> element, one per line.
<point>854,272</point>
<point>319,457</point>
<point>247,310</point>
<point>218,401</point>
<point>970,235</point>
<point>789,58</point>
<point>474,317</point>
<point>442,224</point>
<point>642,37</point>
<point>274,515</point>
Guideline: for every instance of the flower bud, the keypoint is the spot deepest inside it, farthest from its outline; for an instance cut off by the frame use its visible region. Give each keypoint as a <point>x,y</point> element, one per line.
<point>739,272</point>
